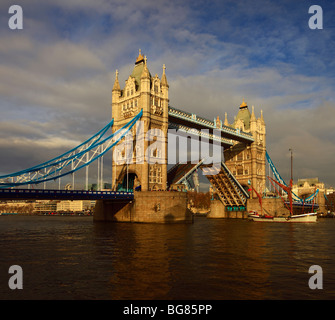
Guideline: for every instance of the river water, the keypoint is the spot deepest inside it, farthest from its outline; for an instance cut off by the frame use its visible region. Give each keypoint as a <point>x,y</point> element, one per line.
<point>67,257</point>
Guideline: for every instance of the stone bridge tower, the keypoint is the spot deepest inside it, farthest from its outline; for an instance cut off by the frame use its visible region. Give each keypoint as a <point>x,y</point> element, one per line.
<point>142,161</point>
<point>247,162</point>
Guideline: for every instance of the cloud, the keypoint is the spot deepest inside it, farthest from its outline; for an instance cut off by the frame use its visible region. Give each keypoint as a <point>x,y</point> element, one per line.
<point>294,106</point>
<point>51,79</point>
<point>310,132</point>
<point>57,73</point>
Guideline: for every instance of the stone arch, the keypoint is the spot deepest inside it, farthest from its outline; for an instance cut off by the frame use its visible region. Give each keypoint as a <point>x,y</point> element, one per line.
<point>305,195</point>
<point>155,187</point>
<point>130,180</point>
<point>246,187</point>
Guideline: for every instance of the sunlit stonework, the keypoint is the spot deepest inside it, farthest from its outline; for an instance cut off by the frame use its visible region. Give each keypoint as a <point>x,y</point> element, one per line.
<point>150,93</point>
<point>247,162</point>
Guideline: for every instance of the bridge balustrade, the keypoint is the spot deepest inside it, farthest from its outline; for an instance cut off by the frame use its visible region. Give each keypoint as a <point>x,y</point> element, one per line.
<point>63,194</point>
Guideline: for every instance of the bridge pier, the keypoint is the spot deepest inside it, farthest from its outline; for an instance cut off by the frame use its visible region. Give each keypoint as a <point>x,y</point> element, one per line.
<point>271,206</point>
<point>218,211</point>
<point>147,207</point>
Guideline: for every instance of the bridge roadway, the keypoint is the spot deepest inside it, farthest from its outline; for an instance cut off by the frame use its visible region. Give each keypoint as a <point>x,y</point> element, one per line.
<point>41,194</point>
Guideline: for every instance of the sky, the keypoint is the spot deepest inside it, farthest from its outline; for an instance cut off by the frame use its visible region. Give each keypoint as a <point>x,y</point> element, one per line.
<point>57,73</point>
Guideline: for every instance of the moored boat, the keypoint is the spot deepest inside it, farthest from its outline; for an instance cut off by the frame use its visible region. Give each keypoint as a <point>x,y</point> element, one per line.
<point>305,217</point>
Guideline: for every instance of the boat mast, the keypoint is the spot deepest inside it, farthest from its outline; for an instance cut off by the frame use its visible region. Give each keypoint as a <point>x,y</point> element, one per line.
<point>291,164</point>
<point>291,182</point>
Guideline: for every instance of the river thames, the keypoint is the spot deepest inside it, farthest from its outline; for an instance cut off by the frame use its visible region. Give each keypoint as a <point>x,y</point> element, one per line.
<point>72,257</point>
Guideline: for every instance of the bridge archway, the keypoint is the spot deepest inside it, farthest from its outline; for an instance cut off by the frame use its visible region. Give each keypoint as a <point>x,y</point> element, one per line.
<point>305,195</point>
<point>246,187</point>
<point>155,187</point>
<point>130,182</point>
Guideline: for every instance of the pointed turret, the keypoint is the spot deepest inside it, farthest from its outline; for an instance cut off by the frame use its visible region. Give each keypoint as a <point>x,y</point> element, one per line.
<point>253,117</point>
<point>243,105</point>
<point>218,122</point>
<point>116,91</point>
<point>140,58</point>
<point>262,119</point>
<point>253,122</point>
<point>225,120</point>
<point>145,73</point>
<point>116,86</point>
<point>165,89</point>
<point>164,80</point>
<point>145,77</point>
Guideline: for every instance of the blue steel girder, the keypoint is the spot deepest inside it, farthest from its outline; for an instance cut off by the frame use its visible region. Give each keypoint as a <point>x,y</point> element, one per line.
<point>279,179</point>
<point>188,121</point>
<point>71,161</point>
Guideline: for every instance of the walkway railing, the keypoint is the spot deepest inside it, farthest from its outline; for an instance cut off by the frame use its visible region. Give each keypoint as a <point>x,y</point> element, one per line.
<point>63,194</point>
<point>191,117</point>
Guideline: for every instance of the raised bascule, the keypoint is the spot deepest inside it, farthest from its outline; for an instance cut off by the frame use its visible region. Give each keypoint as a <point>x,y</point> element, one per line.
<point>145,183</point>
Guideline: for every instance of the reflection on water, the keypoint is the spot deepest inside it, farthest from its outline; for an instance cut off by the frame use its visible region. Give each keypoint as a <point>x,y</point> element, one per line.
<point>73,258</point>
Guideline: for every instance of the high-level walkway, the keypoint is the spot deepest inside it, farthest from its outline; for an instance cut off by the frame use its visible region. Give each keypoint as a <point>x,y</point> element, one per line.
<point>192,124</point>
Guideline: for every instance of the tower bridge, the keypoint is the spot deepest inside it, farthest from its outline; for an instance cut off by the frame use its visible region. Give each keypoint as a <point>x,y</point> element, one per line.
<point>137,136</point>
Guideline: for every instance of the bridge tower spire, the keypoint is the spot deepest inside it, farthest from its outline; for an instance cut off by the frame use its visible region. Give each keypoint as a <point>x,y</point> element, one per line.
<point>247,161</point>
<point>143,161</point>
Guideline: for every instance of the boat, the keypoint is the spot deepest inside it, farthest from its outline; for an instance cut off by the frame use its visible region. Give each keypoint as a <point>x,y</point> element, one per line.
<point>304,217</point>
